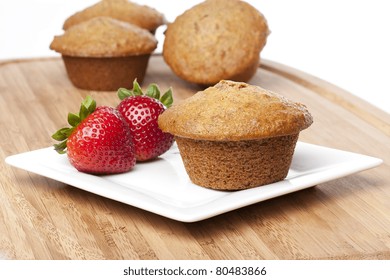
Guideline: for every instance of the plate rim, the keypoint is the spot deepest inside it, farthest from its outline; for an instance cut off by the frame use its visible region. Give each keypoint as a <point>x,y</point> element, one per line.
<point>219,205</point>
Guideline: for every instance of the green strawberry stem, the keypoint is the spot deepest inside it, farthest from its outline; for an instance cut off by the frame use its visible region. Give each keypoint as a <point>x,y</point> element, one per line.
<point>152,91</point>
<point>88,106</point>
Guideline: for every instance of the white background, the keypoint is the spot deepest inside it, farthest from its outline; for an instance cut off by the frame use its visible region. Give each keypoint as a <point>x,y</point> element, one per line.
<point>274,269</point>
<point>344,42</point>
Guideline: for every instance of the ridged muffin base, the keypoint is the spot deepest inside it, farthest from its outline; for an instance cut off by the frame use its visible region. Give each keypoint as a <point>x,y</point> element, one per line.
<point>237,165</point>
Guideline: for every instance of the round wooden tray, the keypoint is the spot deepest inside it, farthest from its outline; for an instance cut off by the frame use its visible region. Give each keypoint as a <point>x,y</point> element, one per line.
<point>44,219</point>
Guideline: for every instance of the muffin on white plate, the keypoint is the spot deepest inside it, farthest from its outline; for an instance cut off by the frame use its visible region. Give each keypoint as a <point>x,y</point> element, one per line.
<point>235,136</point>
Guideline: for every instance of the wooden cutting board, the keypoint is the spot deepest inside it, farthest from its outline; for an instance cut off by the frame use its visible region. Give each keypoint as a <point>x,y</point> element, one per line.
<point>40,218</point>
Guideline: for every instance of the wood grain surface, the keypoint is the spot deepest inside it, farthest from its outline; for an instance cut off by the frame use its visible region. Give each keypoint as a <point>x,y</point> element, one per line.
<point>347,218</point>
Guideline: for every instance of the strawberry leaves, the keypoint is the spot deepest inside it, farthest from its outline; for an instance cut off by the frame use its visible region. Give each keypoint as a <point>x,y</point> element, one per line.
<point>152,91</point>
<point>88,106</point>
<point>167,98</point>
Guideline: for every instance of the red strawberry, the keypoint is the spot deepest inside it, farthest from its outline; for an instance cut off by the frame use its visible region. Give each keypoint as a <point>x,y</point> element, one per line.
<point>141,112</point>
<point>98,141</point>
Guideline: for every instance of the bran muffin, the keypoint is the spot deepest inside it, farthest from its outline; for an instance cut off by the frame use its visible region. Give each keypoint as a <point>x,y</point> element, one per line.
<point>143,16</point>
<point>104,53</point>
<point>215,40</point>
<point>236,136</point>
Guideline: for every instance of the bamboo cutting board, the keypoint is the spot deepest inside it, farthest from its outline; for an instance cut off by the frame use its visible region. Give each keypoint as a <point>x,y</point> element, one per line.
<point>40,218</point>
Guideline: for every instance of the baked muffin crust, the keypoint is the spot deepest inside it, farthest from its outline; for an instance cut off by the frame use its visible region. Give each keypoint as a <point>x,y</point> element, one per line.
<point>104,37</point>
<point>124,10</point>
<point>234,111</point>
<point>214,40</point>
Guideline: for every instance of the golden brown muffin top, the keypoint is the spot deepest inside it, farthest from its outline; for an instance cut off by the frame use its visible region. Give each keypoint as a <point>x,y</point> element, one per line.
<point>104,37</point>
<point>233,111</point>
<point>214,40</point>
<point>141,15</point>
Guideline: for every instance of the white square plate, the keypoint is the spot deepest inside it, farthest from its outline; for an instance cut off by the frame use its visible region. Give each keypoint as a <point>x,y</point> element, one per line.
<point>163,186</point>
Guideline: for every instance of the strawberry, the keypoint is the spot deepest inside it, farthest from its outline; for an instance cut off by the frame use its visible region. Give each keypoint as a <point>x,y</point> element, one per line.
<point>98,141</point>
<point>141,112</point>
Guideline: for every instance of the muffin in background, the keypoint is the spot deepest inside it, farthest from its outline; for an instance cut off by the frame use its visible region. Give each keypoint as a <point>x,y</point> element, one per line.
<point>141,15</point>
<point>236,136</point>
<point>104,53</point>
<point>216,40</point>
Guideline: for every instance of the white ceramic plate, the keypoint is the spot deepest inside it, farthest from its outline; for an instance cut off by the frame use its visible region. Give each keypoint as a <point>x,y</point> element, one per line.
<point>163,186</point>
